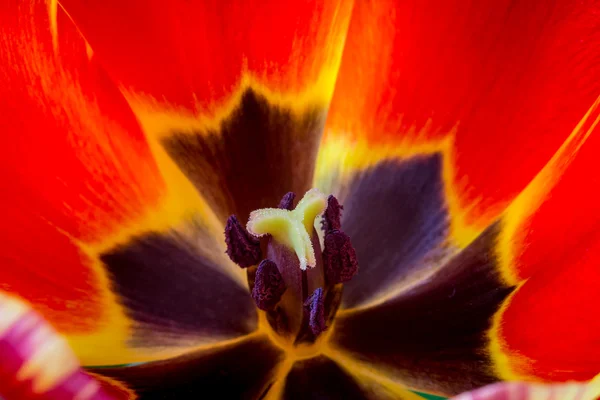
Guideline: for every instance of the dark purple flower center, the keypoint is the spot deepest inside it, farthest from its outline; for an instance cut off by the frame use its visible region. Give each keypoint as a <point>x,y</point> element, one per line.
<point>296,276</point>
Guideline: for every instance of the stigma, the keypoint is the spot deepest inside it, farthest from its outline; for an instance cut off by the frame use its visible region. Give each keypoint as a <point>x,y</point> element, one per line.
<point>292,228</point>
<point>297,259</point>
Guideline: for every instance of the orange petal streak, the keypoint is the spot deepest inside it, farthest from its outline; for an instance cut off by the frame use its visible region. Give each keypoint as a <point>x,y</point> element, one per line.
<point>189,69</point>
<point>505,83</point>
<point>189,58</point>
<point>551,248</point>
<point>75,168</point>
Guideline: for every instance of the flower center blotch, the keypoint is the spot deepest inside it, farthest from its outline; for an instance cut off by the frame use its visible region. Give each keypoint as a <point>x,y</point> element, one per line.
<point>296,275</point>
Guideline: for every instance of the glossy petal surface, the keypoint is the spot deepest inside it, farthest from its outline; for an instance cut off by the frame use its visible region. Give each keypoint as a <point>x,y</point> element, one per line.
<point>550,246</point>
<point>199,51</point>
<point>495,89</point>
<point>252,157</point>
<point>242,369</point>
<point>403,134</point>
<point>237,92</point>
<point>176,292</point>
<point>432,337</point>
<point>396,215</point>
<point>75,170</point>
<point>498,86</point>
<point>81,190</point>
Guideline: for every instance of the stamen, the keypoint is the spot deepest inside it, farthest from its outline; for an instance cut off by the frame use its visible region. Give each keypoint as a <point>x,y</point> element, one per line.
<point>242,249</point>
<point>315,306</point>
<point>299,303</point>
<point>291,228</point>
<point>339,258</point>
<point>268,286</point>
<point>287,202</point>
<point>332,219</point>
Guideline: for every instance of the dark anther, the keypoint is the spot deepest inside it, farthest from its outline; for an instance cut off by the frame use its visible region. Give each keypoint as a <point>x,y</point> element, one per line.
<point>242,248</point>
<point>287,202</point>
<point>315,306</point>
<point>339,258</point>
<point>333,214</point>
<point>268,286</point>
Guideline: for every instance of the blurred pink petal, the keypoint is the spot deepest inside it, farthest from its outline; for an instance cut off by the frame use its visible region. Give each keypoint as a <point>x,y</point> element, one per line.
<point>36,362</point>
<point>530,391</point>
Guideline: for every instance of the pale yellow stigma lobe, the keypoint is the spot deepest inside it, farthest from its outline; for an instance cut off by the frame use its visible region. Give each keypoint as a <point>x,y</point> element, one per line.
<point>291,228</point>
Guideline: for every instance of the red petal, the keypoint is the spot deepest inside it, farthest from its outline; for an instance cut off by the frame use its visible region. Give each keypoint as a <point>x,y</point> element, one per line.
<point>511,80</point>
<point>193,54</point>
<point>75,169</point>
<point>548,329</point>
<point>222,88</point>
